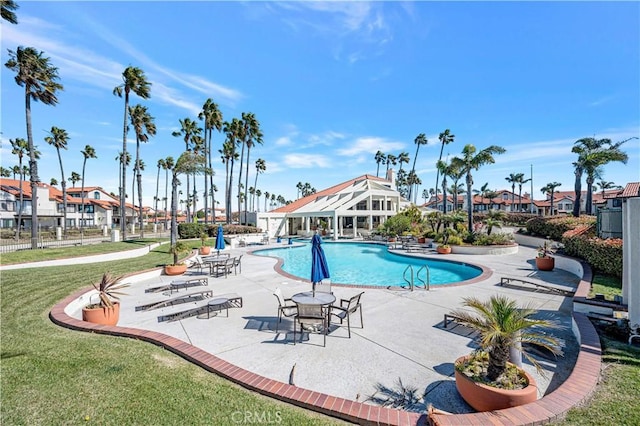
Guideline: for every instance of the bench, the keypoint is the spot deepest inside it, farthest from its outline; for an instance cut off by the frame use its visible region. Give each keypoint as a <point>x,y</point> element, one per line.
<point>178,284</point>
<point>449,318</point>
<point>599,317</point>
<point>185,298</point>
<point>549,288</point>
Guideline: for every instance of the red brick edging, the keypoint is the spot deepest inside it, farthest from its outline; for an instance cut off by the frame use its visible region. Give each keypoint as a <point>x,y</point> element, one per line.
<point>573,391</point>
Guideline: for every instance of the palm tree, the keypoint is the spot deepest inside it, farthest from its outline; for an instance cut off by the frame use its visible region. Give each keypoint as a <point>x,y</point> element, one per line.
<point>161,165</point>
<point>143,126</point>
<point>123,160</point>
<point>252,135</point>
<point>380,158</point>
<point>471,161</point>
<point>482,192</point>
<point>550,189</point>
<point>234,131</point>
<point>520,180</point>
<point>261,166</point>
<point>445,139</point>
<point>512,179</point>
<point>300,186</point>
<point>169,163</point>
<point>39,78</point>
<point>59,139</point>
<point>266,198</point>
<point>189,162</point>
<point>16,170</point>
<point>443,168</point>
<point>391,161</point>
<point>593,154</point>
<point>133,80</point>
<point>188,129</point>
<point>212,120</point>
<point>4,172</point>
<point>75,177</point>
<point>258,195</point>
<point>87,153</point>
<point>7,8</point>
<point>425,195</point>
<point>604,185</point>
<point>421,139</point>
<point>53,182</point>
<point>20,147</point>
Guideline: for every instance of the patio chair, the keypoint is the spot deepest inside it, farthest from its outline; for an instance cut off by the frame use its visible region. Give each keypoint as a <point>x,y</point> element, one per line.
<point>197,263</point>
<point>323,287</point>
<point>346,308</point>
<point>313,319</point>
<point>285,307</point>
<point>237,263</point>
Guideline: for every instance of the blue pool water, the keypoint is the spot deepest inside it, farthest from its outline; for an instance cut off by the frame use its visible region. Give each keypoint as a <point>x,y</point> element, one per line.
<point>368,264</point>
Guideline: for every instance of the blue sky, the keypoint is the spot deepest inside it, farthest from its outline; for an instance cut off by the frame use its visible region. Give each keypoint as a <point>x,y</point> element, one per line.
<point>332,83</point>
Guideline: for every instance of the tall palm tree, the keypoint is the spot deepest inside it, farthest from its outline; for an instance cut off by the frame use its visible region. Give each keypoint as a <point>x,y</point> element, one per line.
<point>16,170</point>
<point>169,163</point>
<point>233,131</point>
<point>7,8</point>
<point>39,78</point>
<point>550,189</point>
<point>520,180</point>
<point>443,168</point>
<point>133,80</point>
<point>470,161</point>
<point>300,186</point>
<point>125,160</point>
<point>75,177</point>
<point>445,139</point>
<point>161,165</point>
<point>252,135</point>
<point>512,179</point>
<point>425,195</point>
<point>593,154</point>
<point>59,139</point>
<point>261,167</point>
<point>421,139</point>
<point>87,153</point>
<point>188,163</point>
<point>603,185</point>
<point>380,158</point>
<point>392,160</point>
<point>143,126</point>
<point>188,129</point>
<point>20,147</point>
<point>4,172</point>
<point>212,117</point>
<point>266,198</point>
<point>53,182</point>
<point>258,195</point>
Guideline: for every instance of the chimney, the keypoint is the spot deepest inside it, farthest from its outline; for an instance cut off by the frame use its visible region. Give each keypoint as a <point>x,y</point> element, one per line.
<point>391,177</point>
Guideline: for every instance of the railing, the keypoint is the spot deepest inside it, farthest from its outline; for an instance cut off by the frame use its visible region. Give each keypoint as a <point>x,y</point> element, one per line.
<point>425,282</point>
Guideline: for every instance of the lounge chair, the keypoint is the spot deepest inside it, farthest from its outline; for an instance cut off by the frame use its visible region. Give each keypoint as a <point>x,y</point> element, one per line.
<point>179,284</point>
<point>346,308</point>
<point>285,307</point>
<point>185,298</point>
<point>197,263</point>
<point>313,318</point>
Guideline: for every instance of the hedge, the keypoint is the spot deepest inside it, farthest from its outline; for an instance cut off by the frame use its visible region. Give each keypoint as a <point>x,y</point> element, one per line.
<point>603,255</point>
<point>554,227</point>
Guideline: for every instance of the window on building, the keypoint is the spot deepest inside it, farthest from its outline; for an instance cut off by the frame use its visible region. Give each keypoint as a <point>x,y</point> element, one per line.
<point>96,195</point>
<point>616,202</point>
<point>362,205</point>
<point>7,223</point>
<point>7,206</point>
<point>505,196</point>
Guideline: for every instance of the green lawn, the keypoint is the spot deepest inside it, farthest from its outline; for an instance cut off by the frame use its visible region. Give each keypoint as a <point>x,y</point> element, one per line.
<point>607,285</point>
<point>51,375</point>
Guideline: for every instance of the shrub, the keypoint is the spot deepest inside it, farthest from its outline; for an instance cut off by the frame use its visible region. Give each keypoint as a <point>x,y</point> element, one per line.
<point>234,229</point>
<point>493,239</point>
<point>509,218</point>
<point>554,227</point>
<point>396,225</point>
<point>190,230</point>
<point>603,255</point>
<point>455,240</point>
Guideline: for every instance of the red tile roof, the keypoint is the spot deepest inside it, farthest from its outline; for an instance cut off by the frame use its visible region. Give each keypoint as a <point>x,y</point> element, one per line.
<point>631,190</point>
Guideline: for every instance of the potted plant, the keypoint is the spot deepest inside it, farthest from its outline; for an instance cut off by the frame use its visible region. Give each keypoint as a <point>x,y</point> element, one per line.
<point>485,379</point>
<point>177,268</point>
<point>544,260</point>
<point>107,310</point>
<point>444,247</point>
<point>204,248</point>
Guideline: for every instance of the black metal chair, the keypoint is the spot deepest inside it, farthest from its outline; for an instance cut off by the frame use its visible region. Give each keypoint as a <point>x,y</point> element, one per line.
<point>346,308</point>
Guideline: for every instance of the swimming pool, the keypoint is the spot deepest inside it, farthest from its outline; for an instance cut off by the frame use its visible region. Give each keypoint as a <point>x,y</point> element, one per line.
<point>368,264</point>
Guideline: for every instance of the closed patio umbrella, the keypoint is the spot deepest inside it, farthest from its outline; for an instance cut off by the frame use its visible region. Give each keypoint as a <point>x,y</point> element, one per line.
<point>219,240</point>
<point>319,267</point>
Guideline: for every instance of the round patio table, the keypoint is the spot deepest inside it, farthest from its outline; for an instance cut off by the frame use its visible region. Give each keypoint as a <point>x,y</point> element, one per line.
<point>307,298</point>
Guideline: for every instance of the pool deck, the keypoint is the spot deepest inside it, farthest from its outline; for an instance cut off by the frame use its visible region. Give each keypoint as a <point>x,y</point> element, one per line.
<point>403,338</point>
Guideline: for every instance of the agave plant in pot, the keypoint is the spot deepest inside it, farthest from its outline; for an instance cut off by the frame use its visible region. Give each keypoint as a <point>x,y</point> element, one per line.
<point>107,309</point>
<point>177,267</point>
<point>486,379</point>
<point>544,260</point>
<point>204,248</point>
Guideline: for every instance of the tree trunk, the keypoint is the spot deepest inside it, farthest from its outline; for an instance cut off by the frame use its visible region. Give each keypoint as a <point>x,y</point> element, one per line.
<point>33,172</point>
<point>123,161</point>
<point>174,213</point>
<point>497,362</point>
<point>84,163</point>
<point>578,192</point>
<point>469,201</point>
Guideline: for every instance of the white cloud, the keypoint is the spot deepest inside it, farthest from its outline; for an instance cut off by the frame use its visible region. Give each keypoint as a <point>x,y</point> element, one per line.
<point>371,145</point>
<point>304,161</point>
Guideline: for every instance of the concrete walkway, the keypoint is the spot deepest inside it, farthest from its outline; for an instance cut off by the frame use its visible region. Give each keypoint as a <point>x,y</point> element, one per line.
<point>403,339</point>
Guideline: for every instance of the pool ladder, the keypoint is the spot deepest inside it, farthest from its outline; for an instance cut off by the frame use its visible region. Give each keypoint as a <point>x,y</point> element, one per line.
<point>423,282</point>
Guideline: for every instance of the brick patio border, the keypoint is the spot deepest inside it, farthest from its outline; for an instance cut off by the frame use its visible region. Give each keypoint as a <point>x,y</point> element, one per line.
<point>575,390</point>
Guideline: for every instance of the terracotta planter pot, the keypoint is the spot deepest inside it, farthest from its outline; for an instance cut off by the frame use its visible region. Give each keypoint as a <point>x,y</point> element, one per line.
<point>443,250</point>
<point>175,269</point>
<point>487,398</point>
<point>104,316</point>
<point>422,240</point>
<point>545,263</point>
<point>204,250</point>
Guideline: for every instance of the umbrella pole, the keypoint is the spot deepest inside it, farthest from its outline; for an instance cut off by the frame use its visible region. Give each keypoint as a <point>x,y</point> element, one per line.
<point>313,289</point>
